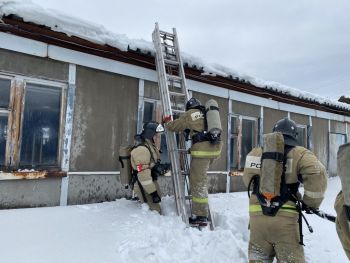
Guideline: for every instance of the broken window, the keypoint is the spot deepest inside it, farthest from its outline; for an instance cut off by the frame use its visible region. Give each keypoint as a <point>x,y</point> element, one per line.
<point>244,137</point>
<point>41,121</point>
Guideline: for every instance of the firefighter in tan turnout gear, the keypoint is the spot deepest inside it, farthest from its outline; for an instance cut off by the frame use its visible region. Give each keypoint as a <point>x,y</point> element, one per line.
<point>205,149</point>
<point>275,216</point>
<point>342,223</point>
<point>342,202</point>
<point>145,162</point>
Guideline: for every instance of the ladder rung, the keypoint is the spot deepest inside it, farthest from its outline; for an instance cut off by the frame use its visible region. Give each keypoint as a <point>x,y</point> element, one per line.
<point>188,197</point>
<point>175,78</point>
<point>177,94</point>
<point>168,46</point>
<point>182,150</point>
<point>163,33</point>
<point>172,62</point>
<point>177,111</point>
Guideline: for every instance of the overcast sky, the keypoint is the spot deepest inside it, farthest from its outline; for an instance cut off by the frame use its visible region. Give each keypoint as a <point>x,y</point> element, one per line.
<point>304,44</point>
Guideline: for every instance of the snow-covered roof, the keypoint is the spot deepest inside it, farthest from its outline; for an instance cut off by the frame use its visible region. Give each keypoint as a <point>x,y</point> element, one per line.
<point>60,22</point>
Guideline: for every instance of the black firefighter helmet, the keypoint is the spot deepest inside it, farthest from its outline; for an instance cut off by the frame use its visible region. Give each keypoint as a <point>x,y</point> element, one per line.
<point>288,128</point>
<point>150,129</point>
<point>193,103</point>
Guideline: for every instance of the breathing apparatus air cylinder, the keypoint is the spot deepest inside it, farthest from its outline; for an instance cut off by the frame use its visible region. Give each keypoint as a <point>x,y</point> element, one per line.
<point>343,166</point>
<point>212,114</point>
<point>125,165</point>
<point>272,165</point>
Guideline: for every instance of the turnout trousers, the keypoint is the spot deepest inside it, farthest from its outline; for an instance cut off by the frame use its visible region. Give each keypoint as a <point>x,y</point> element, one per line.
<point>275,236</point>
<point>199,186</point>
<point>152,206</point>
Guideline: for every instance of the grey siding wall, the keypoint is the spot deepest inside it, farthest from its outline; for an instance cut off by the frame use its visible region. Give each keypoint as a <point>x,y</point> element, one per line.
<point>300,119</point>
<point>320,139</point>
<point>246,109</point>
<point>105,117</point>
<point>94,188</point>
<point>33,66</point>
<point>30,193</point>
<point>151,90</point>
<point>338,127</point>
<point>271,116</point>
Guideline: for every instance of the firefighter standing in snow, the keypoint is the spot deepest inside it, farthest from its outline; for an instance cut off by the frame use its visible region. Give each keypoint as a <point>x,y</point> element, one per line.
<point>203,153</point>
<point>278,235</point>
<point>342,223</point>
<point>144,157</point>
<point>342,202</point>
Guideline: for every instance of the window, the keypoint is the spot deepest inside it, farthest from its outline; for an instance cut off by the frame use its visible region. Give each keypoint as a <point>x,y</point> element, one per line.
<point>5,88</point>
<point>149,111</point>
<point>41,121</point>
<point>152,112</point>
<point>335,140</point>
<point>302,135</point>
<point>3,137</point>
<point>30,123</point>
<point>243,138</point>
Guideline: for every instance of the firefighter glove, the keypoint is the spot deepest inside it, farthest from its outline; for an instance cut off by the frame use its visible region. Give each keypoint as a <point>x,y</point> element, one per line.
<point>307,209</point>
<point>159,169</point>
<point>155,197</point>
<point>167,118</point>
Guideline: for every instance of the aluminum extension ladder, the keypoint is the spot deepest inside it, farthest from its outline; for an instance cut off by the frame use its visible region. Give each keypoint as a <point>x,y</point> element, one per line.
<point>174,95</point>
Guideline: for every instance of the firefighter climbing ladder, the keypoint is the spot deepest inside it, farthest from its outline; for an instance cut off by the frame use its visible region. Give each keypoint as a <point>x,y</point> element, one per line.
<point>174,95</point>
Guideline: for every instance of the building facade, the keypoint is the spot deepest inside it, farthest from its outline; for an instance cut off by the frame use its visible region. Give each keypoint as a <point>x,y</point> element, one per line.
<point>67,105</point>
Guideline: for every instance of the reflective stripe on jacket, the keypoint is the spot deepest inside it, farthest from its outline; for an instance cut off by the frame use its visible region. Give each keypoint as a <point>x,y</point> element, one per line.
<point>201,200</point>
<point>285,208</point>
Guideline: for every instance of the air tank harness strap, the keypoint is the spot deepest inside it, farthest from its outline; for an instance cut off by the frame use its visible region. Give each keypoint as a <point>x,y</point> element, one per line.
<point>212,108</point>
<point>200,137</point>
<point>135,179</point>
<point>300,222</point>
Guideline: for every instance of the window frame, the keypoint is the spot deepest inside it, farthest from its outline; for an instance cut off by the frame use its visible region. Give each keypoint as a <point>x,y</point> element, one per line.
<point>239,137</point>
<point>156,107</point>
<point>157,116</point>
<point>8,113</point>
<point>15,120</point>
<point>305,128</point>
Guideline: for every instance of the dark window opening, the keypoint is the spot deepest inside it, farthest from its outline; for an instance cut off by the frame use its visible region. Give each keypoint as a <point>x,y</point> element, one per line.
<point>244,132</point>
<point>3,137</point>
<point>302,136</point>
<point>41,123</point>
<point>5,89</point>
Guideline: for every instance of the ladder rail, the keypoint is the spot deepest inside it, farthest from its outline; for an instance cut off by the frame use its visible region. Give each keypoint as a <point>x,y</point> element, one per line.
<point>174,95</point>
<point>181,67</point>
<point>170,136</point>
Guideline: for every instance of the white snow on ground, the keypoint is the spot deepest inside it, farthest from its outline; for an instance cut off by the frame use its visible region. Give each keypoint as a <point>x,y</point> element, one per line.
<point>60,22</point>
<point>125,231</point>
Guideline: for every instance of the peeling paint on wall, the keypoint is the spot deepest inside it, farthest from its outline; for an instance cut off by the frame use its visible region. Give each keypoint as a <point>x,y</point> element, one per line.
<point>80,127</point>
